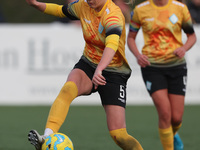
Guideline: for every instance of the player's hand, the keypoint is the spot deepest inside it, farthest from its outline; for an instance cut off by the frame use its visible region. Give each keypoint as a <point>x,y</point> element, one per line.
<point>41,6</point>
<point>98,79</point>
<point>143,60</point>
<point>31,2</point>
<point>180,52</point>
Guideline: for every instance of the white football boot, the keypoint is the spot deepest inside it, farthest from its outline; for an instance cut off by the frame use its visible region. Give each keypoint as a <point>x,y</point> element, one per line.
<point>36,139</point>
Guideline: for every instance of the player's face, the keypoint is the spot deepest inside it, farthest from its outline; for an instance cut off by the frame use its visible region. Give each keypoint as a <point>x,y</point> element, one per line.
<point>96,4</point>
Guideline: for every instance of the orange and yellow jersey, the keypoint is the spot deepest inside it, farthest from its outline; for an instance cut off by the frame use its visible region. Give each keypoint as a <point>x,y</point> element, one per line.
<point>162,30</point>
<point>96,26</point>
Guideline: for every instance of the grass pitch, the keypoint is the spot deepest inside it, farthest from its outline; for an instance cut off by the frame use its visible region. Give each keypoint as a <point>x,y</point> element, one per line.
<point>86,126</point>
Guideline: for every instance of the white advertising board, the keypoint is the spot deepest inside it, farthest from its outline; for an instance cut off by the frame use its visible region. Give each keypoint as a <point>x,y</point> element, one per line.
<point>35,60</point>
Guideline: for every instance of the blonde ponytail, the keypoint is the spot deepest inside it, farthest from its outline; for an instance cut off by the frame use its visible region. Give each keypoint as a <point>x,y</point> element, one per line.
<point>130,1</point>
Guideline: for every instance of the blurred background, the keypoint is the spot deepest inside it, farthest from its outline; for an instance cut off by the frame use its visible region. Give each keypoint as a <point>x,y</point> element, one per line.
<point>19,12</point>
<point>36,55</point>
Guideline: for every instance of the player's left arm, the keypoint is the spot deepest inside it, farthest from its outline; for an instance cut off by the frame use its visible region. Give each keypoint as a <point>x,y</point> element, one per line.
<point>111,46</point>
<point>98,78</point>
<point>113,27</point>
<point>187,27</point>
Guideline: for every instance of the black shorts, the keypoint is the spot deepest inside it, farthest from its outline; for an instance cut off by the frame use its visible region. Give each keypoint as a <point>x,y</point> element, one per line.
<point>172,78</point>
<point>114,92</point>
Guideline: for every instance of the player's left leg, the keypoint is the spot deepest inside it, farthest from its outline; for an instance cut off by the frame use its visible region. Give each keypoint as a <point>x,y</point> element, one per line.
<point>177,89</point>
<point>177,105</point>
<point>178,144</point>
<point>117,126</point>
<point>162,103</point>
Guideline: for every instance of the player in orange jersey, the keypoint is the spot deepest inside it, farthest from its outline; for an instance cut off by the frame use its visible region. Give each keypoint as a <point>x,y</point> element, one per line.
<point>162,61</point>
<point>102,67</point>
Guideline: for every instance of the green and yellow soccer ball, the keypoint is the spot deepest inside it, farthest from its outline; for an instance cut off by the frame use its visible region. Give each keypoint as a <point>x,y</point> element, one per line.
<point>57,141</point>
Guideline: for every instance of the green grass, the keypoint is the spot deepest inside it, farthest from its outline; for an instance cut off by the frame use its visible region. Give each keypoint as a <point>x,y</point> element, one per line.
<point>86,126</point>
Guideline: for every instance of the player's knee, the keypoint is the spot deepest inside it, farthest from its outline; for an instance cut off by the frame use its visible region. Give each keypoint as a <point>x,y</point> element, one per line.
<point>165,117</point>
<point>176,119</point>
<point>70,87</point>
<point>177,122</point>
<point>69,91</point>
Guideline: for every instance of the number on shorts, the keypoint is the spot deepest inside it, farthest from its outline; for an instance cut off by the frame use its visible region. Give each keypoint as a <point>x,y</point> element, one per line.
<point>122,91</point>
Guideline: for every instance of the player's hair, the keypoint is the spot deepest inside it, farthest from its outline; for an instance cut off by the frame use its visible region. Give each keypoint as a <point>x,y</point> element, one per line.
<point>179,0</point>
<point>130,1</point>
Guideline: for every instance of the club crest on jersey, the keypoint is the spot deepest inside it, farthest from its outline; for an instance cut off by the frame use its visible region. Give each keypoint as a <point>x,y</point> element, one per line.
<point>173,18</point>
<point>148,85</point>
<point>101,28</point>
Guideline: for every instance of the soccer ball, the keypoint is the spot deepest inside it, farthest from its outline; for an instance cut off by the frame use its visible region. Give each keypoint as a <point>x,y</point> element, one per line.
<point>57,141</point>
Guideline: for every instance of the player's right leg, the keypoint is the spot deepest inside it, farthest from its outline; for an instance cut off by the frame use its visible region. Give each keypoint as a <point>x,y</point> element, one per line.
<point>78,83</point>
<point>57,114</point>
<point>36,139</point>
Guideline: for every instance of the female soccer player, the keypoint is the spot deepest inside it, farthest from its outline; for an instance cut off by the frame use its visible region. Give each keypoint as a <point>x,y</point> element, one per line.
<point>102,67</point>
<point>162,61</point>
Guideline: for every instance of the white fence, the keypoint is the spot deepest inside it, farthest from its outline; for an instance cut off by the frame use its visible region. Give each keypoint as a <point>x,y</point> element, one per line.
<point>35,60</point>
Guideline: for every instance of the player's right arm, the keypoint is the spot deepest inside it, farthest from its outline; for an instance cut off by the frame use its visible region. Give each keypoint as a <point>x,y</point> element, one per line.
<point>47,8</point>
<point>133,31</point>
<point>57,10</point>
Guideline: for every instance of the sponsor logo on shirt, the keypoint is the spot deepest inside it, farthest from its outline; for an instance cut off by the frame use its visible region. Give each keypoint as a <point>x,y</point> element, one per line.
<point>107,10</point>
<point>178,3</point>
<point>100,28</point>
<point>88,21</point>
<point>149,19</point>
<point>143,4</point>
